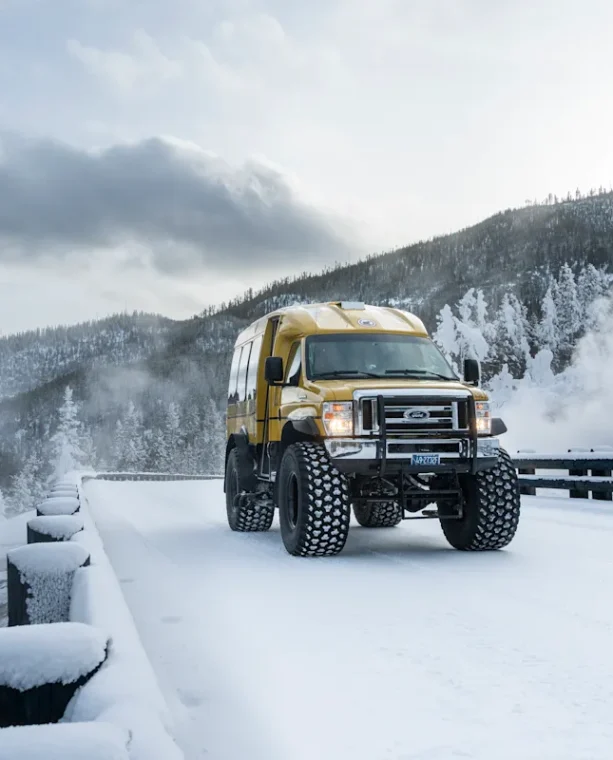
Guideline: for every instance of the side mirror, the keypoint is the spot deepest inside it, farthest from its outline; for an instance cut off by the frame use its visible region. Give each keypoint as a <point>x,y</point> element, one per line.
<point>472,371</point>
<point>273,370</point>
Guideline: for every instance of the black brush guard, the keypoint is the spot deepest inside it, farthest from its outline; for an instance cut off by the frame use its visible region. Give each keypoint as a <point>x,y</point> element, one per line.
<point>410,498</point>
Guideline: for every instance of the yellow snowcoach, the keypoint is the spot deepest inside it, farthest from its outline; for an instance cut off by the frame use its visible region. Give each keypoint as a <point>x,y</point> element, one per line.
<point>342,406</point>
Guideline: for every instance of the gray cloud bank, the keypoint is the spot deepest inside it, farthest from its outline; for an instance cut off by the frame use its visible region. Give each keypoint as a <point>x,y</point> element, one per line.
<point>187,207</point>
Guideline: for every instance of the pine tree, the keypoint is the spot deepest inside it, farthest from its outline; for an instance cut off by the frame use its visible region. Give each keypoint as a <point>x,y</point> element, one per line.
<point>568,311</point>
<point>592,284</point>
<point>66,444</point>
<point>3,505</point>
<point>546,331</point>
<point>27,486</point>
<point>119,447</point>
<point>174,438</point>
<point>446,334</point>
<point>134,454</point>
<point>511,332</point>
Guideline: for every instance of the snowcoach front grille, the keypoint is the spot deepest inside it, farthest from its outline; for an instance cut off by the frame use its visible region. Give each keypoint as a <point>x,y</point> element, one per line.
<point>408,416</point>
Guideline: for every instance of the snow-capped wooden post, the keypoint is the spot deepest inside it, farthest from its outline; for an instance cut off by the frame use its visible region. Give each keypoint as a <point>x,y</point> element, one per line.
<point>42,666</point>
<point>39,581</point>
<point>63,493</point>
<point>527,490</point>
<point>581,492</point>
<point>66,505</point>
<point>601,473</point>
<point>53,528</point>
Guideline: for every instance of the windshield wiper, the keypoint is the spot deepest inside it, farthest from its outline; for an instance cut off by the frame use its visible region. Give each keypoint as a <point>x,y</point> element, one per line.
<point>418,373</point>
<point>346,373</point>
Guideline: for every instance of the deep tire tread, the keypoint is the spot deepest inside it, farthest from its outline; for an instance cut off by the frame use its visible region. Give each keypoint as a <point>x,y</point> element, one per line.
<point>497,503</point>
<point>251,516</point>
<point>325,502</point>
<point>379,514</point>
<point>254,517</point>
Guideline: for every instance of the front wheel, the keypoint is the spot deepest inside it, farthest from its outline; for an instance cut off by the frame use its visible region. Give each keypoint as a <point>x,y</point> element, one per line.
<point>314,505</point>
<point>491,507</point>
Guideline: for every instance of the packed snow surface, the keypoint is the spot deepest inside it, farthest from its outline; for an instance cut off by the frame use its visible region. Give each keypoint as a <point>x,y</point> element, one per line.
<point>124,691</point>
<point>399,648</point>
<point>64,741</point>
<point>32,655</point>
<point>60,505</point>
<point>59,527</point>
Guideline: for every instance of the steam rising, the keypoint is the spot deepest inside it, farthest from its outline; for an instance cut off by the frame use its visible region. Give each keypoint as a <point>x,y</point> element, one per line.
<point>574,409</point>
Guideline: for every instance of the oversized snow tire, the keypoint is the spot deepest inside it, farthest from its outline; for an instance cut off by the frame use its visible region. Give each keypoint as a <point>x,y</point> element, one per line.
<point>314,504</point>
<point>249,515</point>
<point>378,514</point>
<point>491,509</point>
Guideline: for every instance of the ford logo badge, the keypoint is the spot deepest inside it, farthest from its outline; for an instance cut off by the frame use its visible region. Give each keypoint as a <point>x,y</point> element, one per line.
<point>416,414</point>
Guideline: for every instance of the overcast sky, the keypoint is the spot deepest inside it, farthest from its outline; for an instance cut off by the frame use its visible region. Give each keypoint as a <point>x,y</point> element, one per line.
<point>168,154</point>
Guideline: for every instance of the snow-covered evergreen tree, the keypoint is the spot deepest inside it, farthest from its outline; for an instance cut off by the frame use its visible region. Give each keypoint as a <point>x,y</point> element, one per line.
<point>27,487</point>
<point>446,334</point>
<point>131,454</point>
<point>568,312</point>
<point>592,284</point>
<point>174,438</point>
<point>67,452</point>
<point>511,330</point>
<point>463,337</point>
<point>546,331</point>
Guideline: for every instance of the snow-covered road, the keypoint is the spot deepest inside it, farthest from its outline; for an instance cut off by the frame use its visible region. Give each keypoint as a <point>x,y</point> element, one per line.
<point>401,648</point>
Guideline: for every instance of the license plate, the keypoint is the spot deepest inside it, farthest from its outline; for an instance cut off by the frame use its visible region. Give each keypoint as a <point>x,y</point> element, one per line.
<point>425,460</point>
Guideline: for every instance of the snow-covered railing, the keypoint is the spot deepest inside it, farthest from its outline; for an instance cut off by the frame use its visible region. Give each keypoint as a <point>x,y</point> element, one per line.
<point>72,652</point>
<point>588,471</point>
<point>151,476</point>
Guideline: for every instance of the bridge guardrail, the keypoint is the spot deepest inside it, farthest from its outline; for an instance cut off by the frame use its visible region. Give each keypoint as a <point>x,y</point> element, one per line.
<point>588,471</point>
<point>149,476</point>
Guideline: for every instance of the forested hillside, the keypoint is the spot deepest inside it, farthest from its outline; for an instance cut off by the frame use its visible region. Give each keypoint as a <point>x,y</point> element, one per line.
<point>150,391</point>
<point>30,359</point>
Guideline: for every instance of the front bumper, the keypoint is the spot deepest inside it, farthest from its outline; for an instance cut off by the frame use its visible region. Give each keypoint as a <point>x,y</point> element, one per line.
<point>365,456</point>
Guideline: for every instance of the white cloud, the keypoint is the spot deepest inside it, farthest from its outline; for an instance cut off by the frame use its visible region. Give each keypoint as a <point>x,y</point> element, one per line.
<point>144,67</point>
<point>185,207</point>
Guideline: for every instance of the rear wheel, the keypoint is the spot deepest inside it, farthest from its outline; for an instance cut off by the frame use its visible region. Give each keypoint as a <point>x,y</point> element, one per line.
<point>378,514</point>
<point>245,513</point>
<point>491,507</point>
<point>314,505</point>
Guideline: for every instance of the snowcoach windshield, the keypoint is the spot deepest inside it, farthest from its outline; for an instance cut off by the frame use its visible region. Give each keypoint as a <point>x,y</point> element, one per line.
<point>374,355</point>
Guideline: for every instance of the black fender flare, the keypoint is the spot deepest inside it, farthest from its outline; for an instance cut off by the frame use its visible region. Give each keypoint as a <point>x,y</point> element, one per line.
<point>238,441</point>
<point>305,426</point>
<point>498,426</point>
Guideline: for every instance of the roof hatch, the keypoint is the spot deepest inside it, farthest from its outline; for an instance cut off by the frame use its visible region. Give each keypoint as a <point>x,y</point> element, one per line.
<point>352,305</point>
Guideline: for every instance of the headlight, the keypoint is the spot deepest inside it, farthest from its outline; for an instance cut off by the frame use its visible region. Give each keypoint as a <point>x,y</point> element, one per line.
<point>484,418</point>
<point>338,418</point>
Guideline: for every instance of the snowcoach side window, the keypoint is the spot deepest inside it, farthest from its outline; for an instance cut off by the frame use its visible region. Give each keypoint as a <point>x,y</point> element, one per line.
<point>254,363</point>
<point>233,377</point>
<point>242,372</point>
